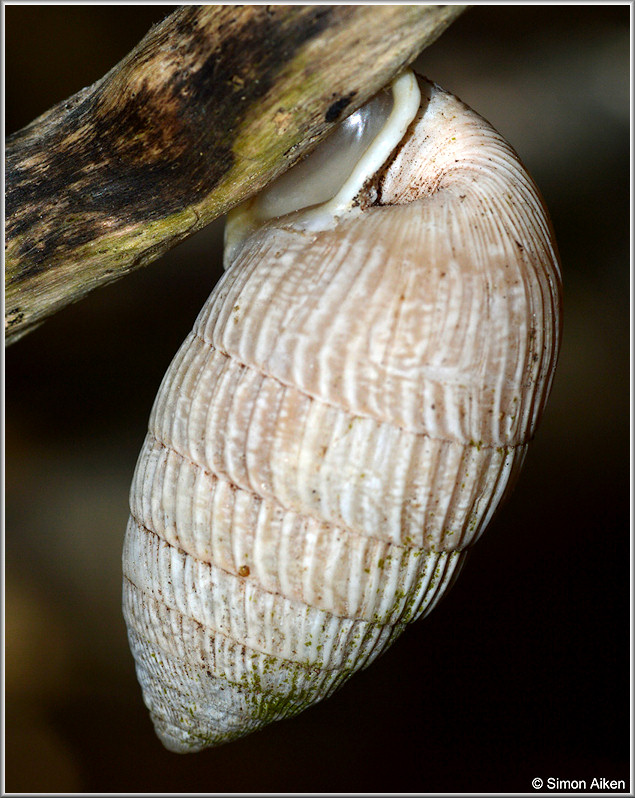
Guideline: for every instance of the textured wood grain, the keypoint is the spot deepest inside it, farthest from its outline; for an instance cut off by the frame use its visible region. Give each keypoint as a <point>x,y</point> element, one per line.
<point>209,107</point>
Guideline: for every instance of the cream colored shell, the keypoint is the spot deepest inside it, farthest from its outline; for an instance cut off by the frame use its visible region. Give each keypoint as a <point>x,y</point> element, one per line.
<point>341,424</point>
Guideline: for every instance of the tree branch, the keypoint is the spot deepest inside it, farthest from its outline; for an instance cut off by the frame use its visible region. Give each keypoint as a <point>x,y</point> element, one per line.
<point>210,106</point>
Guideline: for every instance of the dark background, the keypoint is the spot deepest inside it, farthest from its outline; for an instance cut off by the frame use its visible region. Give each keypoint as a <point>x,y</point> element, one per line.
<point>523,669</point>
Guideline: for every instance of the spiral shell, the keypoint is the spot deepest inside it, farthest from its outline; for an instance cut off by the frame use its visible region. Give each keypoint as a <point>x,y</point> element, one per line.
<point>350,408</point>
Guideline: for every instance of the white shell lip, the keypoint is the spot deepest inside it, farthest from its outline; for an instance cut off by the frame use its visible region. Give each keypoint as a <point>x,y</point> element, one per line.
<point>406,99</point>
<point>246,218</point>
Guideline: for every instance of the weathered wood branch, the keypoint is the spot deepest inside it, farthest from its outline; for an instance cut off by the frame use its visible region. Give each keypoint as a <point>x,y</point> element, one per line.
<point>211,105</point>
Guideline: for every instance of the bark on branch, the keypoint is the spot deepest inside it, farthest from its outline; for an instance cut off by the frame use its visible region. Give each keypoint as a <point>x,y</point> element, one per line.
<point>211,105</point>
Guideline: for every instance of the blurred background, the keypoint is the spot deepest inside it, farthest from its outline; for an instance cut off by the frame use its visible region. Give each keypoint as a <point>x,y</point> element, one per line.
<point>523,670</point>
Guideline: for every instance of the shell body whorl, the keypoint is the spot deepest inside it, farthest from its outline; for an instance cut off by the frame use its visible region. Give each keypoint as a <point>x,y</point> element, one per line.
<point>341,424</point>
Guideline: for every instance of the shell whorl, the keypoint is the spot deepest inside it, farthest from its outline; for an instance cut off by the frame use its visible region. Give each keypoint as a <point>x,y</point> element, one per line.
<point>351,407</point>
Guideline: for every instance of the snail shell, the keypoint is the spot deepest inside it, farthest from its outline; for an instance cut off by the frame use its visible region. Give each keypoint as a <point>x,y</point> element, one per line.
<point>348,412</point>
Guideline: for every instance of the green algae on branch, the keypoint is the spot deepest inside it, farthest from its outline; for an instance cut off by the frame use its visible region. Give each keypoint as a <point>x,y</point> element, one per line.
<point>211,105</point>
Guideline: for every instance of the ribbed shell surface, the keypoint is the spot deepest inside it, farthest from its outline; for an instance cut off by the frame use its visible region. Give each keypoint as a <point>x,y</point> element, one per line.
<point>342,422</point>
